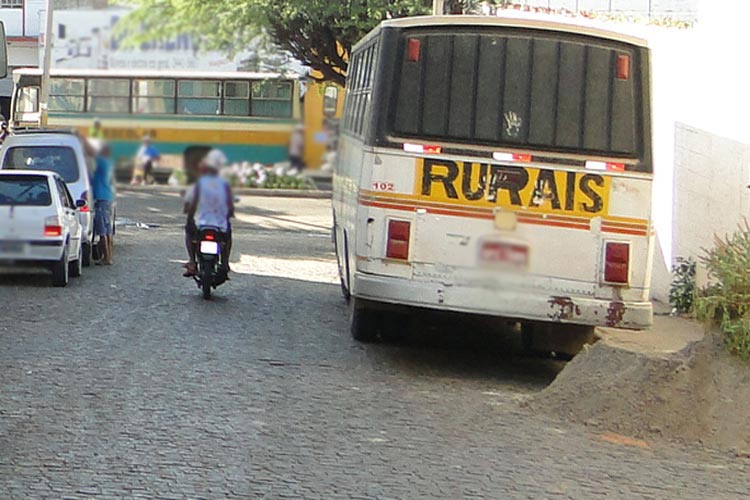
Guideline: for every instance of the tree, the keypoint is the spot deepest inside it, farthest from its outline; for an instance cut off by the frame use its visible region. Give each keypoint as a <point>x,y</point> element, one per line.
<point>318,33</point>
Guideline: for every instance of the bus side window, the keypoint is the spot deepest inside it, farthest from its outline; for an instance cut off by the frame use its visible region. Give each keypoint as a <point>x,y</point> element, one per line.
<point>28,100</point>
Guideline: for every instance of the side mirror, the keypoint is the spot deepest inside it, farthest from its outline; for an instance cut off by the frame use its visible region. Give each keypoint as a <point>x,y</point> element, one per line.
<point>81,203</point>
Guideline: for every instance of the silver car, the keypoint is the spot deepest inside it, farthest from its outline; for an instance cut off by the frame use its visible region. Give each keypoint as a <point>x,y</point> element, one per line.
<point>39,224</point>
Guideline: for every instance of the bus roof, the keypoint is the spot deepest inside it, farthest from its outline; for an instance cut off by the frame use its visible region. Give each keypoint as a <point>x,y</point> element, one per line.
<point>523,20</point>
<point>150,73</point>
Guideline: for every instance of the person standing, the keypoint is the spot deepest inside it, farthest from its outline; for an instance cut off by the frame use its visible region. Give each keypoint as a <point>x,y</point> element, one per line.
<point>297,148</point>
<point>96,131</point>
<point>104,196</point>
<point>145,158</point>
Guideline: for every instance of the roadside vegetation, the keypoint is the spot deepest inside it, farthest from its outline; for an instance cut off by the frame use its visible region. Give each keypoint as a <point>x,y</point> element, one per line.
<point>725,301</point>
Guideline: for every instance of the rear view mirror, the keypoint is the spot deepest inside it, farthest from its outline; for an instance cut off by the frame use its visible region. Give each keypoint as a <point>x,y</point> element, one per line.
<point>3,52</point>
<point>81,203</point>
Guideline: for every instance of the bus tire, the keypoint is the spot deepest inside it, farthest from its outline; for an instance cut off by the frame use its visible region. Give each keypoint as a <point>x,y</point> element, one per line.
<point>363,320</point>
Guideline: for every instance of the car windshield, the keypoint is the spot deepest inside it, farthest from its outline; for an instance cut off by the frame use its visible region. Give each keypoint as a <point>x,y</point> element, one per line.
<point>25,190</point>
<point>60,159</point>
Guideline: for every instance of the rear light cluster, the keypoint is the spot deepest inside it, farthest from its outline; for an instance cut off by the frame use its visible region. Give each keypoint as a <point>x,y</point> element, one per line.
<point>52,226</point>
<point>399,234</point>
<point>617,263</point>
<point>209,237</point>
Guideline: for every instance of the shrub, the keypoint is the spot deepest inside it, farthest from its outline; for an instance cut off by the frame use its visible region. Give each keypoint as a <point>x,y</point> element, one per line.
<point>682,290</point>
<point>726,300</point>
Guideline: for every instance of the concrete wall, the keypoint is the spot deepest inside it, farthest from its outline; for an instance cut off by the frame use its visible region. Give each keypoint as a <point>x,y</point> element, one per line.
<point>682,9</point>
<point>711,194</point>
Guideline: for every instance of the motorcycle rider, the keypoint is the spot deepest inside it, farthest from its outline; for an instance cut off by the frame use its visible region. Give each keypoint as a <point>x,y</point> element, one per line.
<point>209,202</point>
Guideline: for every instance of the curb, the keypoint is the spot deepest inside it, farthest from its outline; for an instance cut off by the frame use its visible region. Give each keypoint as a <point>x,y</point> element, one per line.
<point>273,193</point>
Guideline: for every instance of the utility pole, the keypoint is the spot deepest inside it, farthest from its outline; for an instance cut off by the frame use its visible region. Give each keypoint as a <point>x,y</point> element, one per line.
<point>438,7</point>
<point>46,63</point>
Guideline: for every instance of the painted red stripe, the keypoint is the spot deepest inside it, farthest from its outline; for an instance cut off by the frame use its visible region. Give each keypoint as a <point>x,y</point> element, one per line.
<point>522,218</point>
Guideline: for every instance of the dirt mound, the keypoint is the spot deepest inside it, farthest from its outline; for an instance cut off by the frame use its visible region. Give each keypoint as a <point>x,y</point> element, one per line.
<point>700,394</point>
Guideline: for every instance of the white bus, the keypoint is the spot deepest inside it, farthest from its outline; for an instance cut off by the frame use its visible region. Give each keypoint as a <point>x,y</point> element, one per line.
<point>499,167</point>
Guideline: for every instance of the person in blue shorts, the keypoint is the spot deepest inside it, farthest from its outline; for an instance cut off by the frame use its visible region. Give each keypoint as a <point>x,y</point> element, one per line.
<point>104,196</point>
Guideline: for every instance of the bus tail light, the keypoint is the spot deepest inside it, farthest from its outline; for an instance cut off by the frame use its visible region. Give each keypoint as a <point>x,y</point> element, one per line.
<point>521,158</point>
<point>413,49</point>
<point>423,148</point>
<point>399,233</point>
<point>623,67</point>
<point>616,263</point>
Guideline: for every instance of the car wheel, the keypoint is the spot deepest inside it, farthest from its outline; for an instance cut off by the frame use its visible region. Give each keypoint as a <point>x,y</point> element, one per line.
<point>86,257</point>
<point>75,268</point>
<point>60,270</point>
<point>363,320</point>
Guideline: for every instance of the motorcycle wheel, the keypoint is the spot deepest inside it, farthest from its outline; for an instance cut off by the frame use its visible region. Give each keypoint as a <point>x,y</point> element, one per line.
<point>206,285</point>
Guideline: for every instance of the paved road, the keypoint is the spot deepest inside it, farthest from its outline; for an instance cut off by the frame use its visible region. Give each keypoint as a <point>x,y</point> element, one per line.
<point>128,385</point>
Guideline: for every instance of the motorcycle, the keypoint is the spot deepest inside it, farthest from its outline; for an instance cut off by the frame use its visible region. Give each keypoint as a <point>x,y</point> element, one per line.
<point>212,270</point>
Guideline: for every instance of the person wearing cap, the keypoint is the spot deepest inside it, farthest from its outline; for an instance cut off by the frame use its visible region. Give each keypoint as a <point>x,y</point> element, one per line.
<point>146,156</point>
<point>210,202</point>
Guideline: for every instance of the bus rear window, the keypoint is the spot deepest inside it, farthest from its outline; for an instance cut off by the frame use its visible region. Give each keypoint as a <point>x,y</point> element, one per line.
<point>520,89</point>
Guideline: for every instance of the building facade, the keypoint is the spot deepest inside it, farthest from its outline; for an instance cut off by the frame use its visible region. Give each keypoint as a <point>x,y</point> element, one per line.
<point>22,20</point>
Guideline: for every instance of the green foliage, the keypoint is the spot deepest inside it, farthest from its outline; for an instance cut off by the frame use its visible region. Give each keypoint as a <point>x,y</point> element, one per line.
<point>319,33</point>
<point>726,301</point>
<point>682,290</point>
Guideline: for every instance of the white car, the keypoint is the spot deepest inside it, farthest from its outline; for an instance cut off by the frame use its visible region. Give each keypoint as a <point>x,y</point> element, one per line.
<point>39,224</point>
<point>57,151</point>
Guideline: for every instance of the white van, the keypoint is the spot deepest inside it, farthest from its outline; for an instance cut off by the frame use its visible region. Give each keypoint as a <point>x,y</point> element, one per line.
<point>58,151</point>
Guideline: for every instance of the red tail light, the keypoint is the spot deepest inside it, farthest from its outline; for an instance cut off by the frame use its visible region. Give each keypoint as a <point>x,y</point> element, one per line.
<point>209,237</point>
<point>85,209</point>
<point>623,67</point>
<point>52,230</point>
<point>413,49</point>
<point>52,226</point>
<point>617,263</point>
<point>399,232</point>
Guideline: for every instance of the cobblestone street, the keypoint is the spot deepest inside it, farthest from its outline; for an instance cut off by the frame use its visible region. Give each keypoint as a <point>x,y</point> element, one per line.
<point>127,384</point>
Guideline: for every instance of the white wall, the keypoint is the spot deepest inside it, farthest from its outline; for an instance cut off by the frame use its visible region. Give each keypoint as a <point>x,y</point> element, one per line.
<point>711,195</point>
<point>13,21</point>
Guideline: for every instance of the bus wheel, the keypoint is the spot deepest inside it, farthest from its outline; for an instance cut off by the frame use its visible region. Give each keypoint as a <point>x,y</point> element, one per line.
<point>363,320</point>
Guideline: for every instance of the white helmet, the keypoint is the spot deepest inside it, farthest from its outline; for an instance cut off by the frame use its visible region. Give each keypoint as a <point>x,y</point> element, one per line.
<point>215,159</point>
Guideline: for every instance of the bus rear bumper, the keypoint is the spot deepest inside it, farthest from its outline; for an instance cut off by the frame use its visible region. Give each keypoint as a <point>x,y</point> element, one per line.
<point>515,304</point>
